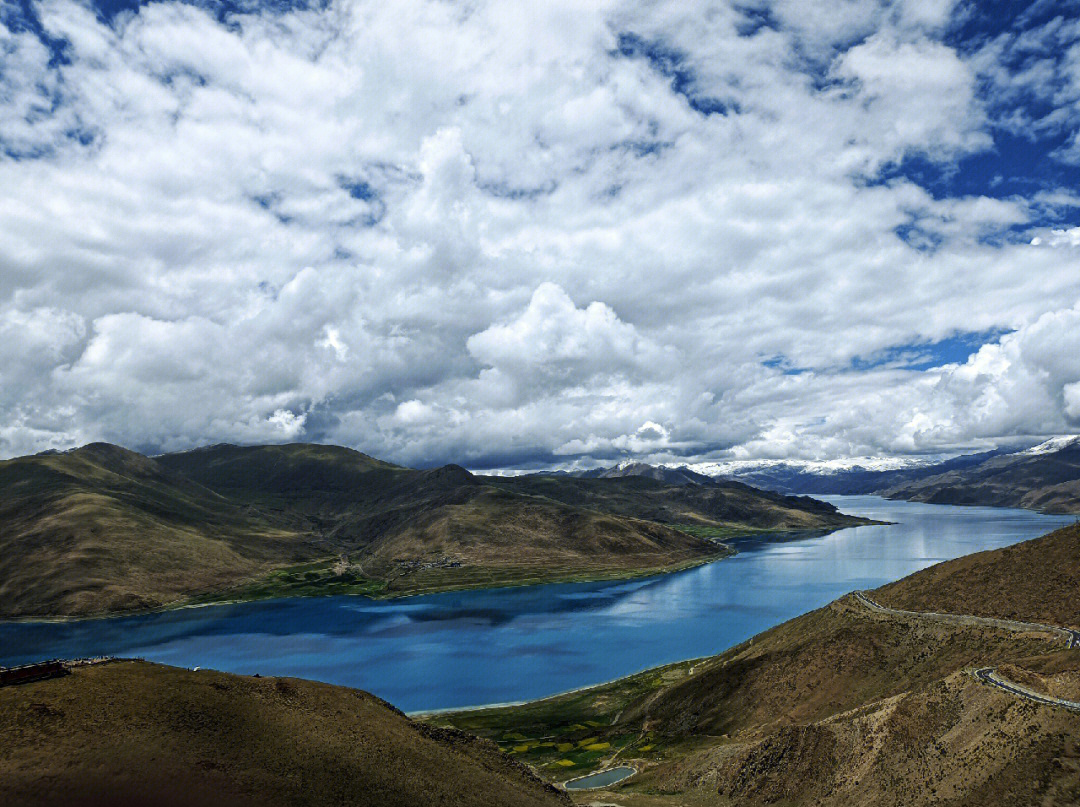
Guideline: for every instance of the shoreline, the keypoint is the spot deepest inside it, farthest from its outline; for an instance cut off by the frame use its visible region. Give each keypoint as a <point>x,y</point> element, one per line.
<point>613,577</point>
<point>422,714</point>
<point>725,551</point>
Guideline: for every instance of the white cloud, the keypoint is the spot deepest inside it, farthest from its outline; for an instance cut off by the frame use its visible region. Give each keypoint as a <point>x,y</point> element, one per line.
<point>552,338</point>
<point>510,232</point>
<point>917,95</point>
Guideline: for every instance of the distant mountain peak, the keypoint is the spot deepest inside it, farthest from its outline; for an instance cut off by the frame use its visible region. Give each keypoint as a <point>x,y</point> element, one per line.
<point>451,473</point>
<point>662,473</point>
<point>1054,444</point>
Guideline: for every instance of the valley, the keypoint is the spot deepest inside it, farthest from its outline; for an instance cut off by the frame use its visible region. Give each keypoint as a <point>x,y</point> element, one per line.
<point>888,697</point>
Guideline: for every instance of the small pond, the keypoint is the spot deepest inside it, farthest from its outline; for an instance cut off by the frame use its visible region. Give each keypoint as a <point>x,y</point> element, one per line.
<point>601,778</point>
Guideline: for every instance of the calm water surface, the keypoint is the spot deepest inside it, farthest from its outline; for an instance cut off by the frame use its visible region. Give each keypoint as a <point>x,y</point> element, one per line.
<point>469,648</point>
<point>602,779</point>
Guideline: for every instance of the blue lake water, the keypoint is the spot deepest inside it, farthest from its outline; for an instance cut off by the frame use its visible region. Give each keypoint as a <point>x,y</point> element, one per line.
<point>470,648</point>
<point>601,779</point>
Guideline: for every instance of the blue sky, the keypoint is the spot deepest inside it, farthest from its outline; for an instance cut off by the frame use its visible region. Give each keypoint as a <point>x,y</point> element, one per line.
<point>518,236</point>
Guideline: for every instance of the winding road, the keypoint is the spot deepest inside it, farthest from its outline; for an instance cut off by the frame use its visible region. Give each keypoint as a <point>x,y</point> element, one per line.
<point>989,675</point>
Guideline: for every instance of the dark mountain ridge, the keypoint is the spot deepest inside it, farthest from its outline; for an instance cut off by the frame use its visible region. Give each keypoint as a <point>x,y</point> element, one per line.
<point>854,481</point>
<point>1045,478</point>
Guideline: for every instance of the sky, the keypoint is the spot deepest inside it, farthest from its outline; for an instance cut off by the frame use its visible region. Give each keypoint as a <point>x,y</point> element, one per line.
<point>524,235</point>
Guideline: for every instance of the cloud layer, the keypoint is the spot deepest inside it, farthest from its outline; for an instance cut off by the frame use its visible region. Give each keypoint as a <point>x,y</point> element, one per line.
<point>518,234</point>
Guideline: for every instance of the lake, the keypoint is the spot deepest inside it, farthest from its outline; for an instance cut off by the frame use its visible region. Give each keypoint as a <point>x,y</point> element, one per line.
<point>503,645</point>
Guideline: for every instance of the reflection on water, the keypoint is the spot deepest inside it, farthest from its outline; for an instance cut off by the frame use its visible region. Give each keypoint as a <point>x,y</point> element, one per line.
<point>470,648</point>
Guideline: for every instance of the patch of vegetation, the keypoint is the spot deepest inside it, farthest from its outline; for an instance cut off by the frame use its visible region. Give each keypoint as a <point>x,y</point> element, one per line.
<point>318,579</point>
<point>573,733</point>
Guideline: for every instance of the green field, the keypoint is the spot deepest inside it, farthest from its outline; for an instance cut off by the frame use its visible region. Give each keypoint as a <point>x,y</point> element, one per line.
<point>569,735</point>
<point>316,579</point>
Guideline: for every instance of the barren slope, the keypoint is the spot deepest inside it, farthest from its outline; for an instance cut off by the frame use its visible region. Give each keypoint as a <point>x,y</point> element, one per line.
<point>1037,581</point>
<point>716,504</point>
<point>132,733</point>
<point>105,529</point>
<point>102,529</point>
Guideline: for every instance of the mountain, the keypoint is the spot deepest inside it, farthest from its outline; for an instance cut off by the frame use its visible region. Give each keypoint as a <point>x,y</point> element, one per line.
<point>133,734</point>
<point>1045,478</point>
<point>853,703</point>
<point>713,505</point>
<point>671,476</point>
<point>854,477</point>
<point>101,529</point>
<point>418,530</point>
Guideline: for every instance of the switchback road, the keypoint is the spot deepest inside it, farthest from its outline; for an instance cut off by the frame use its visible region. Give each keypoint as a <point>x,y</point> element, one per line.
<point>1069,636</point>
<point>989,675</point>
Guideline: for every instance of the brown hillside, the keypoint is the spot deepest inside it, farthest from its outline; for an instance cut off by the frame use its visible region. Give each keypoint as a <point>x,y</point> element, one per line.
<point>828,661</point>
<point>1035,581</point>
<point>101,529</point>
<point>954,742</point>
<point>135,734</point>
<point>106,529</point>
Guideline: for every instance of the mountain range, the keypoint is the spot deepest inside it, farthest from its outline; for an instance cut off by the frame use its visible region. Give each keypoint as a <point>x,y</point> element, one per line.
<point>101,529</point>
<point>1045,477</point>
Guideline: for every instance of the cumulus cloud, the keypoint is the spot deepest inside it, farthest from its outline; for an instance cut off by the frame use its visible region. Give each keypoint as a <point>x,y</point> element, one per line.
<point>518,234</point>
<point>553,339</point>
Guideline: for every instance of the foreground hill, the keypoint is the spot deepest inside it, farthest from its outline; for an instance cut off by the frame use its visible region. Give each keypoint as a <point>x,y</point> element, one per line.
<point>1034,581</point>
<point>101,529</point>
<point>849,704</point>
<point>1045,478</point>
<point>131,733</point>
